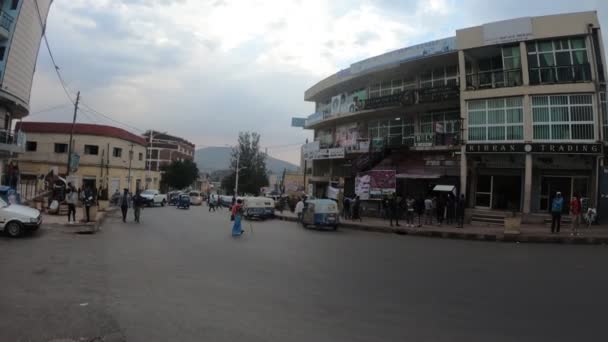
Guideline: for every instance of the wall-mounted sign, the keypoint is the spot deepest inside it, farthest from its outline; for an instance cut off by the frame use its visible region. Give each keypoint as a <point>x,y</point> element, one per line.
<point>308,150</point>
<point>298,122</point>
<point>328,153</point>
<point>507,31</point>
<point>409,53</point>
<point>548,148</point>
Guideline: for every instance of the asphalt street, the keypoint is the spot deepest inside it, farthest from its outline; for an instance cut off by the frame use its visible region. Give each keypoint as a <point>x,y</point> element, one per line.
<point>180,276</point>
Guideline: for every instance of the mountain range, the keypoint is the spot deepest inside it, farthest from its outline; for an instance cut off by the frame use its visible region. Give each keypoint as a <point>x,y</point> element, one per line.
<point>209,159</point>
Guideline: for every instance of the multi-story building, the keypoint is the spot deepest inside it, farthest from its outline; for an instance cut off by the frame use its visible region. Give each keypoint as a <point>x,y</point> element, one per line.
<point>21,27</point>
<point>106,157</point>
<point>162,149</point>
<point>508,113</point>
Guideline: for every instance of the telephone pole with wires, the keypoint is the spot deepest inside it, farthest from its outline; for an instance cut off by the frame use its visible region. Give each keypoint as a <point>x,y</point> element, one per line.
<point>72,132</point>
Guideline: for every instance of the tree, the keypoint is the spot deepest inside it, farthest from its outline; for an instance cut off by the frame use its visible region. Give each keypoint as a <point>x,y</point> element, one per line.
<point>179,174</point>
<point>252,166</point>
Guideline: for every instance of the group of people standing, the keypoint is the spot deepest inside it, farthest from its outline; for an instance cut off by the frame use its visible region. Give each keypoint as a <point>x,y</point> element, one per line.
<point>73,196</point>
<point>351,208</point>
<point>575,209</point>
<point>435,209</point>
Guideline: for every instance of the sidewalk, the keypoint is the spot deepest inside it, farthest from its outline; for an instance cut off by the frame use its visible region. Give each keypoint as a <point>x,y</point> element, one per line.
<point>78,227</point>
<point>528,232</point>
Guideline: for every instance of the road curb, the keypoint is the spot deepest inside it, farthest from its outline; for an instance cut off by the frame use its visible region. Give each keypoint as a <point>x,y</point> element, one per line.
<point>460,235</point>
<point>88,228</point>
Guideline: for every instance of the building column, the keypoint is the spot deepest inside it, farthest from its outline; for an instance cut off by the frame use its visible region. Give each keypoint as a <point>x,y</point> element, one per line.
<point>463,171</point>
<point>462,70</point>
<point>523,55</point>
<point>528,124</point>
<point>528,184</point>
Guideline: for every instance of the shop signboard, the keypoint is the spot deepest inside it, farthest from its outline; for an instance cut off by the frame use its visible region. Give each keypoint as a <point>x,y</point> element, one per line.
<point>409,53</point>
<point>309,149</point>
<point>298,122</point>
<point>540,148</point>
<point>507,31</point>
<point>328,153</point>
<point>375,184</point>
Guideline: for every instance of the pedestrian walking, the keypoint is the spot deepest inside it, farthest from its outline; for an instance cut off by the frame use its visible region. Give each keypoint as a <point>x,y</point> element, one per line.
<point>356,209</point>
<point>138,204</point>
<point>410,204</point>
<point>385,207</point>
<point>575,213</point>
<point>237,212</point>
<point>440,210</point>
<point>557,205</point>
<point>346,212</point>
<point>299,210</point>
<point>72,200</point>
<point>393,207</point>
<point>420,209</point>
<point>125,203</point>
<point>428,211</point>
<point>89,200</point>
<point>460,207</point>
<point>450,206</point>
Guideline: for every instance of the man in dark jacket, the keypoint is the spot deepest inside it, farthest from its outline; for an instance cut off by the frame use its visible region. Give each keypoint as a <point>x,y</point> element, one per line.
<point>394,209</point>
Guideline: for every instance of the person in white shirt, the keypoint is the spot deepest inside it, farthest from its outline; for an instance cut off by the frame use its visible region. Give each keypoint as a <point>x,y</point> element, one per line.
<point>299,209</point>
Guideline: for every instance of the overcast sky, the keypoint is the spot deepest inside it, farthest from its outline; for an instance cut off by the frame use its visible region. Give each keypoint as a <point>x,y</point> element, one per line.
<point>206,70</point>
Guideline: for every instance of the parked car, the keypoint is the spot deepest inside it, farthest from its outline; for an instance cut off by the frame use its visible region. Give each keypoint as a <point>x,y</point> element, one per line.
<point>154,197</point>
<point>16,219</point>
<point>196,198</point>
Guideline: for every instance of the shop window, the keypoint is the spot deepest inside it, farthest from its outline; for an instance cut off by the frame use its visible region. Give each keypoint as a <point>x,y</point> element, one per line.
<point>496,119</point>
<point>141,156</point>
<point>563,117</point>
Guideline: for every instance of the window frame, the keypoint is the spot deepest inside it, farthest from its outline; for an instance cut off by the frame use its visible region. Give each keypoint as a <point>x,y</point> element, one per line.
<point>536,53</point>
<point>115,150</point>
<point>88,150</point>
<point>570,123</point>
<point>487,125</point>
<point>28,144</point>
<point>62,145</point>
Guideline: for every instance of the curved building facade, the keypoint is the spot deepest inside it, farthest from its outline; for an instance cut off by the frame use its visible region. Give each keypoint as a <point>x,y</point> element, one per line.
<point>507,113</point>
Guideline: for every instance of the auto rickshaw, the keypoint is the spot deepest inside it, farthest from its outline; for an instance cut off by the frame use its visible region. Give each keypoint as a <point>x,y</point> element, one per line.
<point>321,213</point>
<point>183,202</point>
<point>259,207</point>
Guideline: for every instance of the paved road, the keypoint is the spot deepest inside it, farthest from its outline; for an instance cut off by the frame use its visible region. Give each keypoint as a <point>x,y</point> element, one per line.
<point>179,276</point>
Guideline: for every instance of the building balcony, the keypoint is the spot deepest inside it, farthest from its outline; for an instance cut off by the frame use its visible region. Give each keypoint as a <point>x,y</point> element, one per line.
<point>11,142</point>
<point>6,22</point>
<point>560,74</point>
<point>494,79</point>
<point>425,141</point>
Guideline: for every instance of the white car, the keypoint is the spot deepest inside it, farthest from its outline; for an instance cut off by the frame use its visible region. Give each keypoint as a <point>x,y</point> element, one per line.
<point>195,198</point>
<point>15,219</point>
<point>154,197</point>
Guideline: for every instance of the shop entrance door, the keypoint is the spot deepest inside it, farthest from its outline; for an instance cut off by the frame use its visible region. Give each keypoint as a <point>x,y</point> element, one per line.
<point>498,192</point>
<point>566,185</point>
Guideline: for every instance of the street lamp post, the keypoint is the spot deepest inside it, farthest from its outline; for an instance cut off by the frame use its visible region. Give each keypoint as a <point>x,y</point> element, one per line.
<point>130,160</point>
<point>236,182</point>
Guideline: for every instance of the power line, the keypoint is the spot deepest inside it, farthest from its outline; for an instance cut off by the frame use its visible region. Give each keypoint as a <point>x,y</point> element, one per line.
<point>49,109</point>
<point>94,111</point>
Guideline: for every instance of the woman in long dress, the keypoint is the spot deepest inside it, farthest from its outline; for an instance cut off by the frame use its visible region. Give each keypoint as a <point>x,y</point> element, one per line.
<point>237,230</point>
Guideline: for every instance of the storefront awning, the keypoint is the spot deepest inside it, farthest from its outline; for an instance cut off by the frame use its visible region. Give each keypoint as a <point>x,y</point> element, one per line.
<point>445,188</point>
<point>417,176</point>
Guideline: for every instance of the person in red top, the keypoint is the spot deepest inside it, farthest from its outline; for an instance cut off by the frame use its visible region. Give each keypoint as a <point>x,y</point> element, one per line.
<point>575,213</point>
<point>236,213</point>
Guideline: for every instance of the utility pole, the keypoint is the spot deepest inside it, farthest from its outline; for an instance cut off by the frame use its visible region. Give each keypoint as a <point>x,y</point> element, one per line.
<point>305,170</point>
<point>130,160</point>
<point>149,155</point>
<point>72,132</point>
<point>236,182</point>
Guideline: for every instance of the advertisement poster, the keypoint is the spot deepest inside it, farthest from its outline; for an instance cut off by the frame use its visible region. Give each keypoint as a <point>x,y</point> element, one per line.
<point>347,135</point>
<point>375,184</point>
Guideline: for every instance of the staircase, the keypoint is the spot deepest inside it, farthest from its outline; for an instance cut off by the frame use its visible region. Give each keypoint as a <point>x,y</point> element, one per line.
<point>488,218</point>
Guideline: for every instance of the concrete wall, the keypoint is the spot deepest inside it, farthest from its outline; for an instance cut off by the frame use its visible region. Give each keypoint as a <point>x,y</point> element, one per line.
<point>23,50</point>
<point>46,150</point>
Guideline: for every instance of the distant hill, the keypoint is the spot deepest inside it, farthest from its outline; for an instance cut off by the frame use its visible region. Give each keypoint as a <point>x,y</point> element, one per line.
<point>209,159</point>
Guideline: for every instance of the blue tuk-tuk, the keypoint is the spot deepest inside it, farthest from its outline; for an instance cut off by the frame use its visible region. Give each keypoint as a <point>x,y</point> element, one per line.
<point>183,202</point>
<point>321,213</point>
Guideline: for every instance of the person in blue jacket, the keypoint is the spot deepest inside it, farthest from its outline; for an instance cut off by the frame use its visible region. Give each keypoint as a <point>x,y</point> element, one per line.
<point>557,205</point>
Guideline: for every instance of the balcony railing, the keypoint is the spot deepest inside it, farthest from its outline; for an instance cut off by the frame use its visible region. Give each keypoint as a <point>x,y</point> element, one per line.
<point>414,96</point>
<point>6,20</point>
<point>494,79</point>
<point>425,140</point>
<point>12,138</point>
<point>561,74</point>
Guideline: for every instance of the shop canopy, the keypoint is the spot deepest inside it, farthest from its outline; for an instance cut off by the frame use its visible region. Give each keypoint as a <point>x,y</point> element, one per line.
<point>445,188</point>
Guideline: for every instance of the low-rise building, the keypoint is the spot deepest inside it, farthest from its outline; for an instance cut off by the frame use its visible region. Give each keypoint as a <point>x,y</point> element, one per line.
<point>103,156</point>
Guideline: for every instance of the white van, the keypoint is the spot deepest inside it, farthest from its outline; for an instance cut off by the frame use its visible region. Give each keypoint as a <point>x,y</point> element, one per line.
<point>15,219</point>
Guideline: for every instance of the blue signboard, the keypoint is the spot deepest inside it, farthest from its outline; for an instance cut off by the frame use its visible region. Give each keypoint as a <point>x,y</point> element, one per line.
<point>298,122</point>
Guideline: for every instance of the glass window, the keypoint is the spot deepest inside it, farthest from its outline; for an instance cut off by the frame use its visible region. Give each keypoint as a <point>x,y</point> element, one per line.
<point>31,146</point>
<point>91,149</point>
<point>558,61</point>
<point>117,152</point>
<point>496,119</point>
<point>563,117</point>
<point>61,148</point>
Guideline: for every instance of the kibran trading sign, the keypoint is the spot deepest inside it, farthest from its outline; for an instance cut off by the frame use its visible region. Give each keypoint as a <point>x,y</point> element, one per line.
<point>547,148</point>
